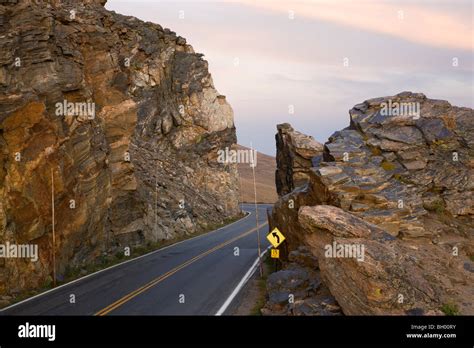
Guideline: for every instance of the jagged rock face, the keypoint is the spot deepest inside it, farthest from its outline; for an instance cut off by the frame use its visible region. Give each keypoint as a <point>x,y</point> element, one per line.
<point>301,281</point>
<point>294,153</point>
<point>401,184</point>
<point>123,116</point>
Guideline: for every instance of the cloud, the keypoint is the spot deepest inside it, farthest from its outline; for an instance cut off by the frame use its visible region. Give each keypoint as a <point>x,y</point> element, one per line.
<point>423,24</point>
<point>300,62</point>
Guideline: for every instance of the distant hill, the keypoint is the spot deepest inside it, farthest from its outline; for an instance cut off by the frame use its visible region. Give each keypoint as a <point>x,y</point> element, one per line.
<point>264,177</point>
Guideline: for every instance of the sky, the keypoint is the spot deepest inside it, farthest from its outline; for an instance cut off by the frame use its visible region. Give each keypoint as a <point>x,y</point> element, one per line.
<point>307,62</point>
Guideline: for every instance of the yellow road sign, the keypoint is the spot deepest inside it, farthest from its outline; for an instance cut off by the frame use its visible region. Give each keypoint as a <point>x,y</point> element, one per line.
<point>275,237</point>
<point>275,253</point>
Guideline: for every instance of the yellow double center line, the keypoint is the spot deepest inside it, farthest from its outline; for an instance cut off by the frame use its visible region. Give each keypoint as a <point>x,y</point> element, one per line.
<point>162,277</point>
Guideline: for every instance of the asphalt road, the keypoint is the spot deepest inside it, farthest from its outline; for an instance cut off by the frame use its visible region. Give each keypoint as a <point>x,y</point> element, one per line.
<point>193,277</point>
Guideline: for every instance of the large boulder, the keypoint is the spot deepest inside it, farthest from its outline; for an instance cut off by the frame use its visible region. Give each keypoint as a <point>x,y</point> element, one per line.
<point>370,272</point>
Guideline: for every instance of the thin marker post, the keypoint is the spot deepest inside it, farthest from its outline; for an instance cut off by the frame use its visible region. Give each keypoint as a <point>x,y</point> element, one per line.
<point>253,164</point>
<point>54,231</point>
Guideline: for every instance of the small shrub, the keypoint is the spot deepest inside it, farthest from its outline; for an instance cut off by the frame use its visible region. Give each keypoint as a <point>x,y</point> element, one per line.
<point>435,206</point>
<point>438,207</point>
<point>450,309</point>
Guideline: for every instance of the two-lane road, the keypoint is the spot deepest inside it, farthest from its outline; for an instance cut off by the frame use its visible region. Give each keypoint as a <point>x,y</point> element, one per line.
<point>193,277</point>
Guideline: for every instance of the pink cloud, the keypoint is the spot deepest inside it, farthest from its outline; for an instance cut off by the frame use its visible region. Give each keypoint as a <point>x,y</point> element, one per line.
<point>415,23</point>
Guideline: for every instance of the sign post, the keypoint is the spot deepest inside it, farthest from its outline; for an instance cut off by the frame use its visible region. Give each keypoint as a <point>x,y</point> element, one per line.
<point>275,237</point>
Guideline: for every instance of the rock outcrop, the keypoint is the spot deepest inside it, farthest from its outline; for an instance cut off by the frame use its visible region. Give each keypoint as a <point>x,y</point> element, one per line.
<point>294,154</point>
<point>298,290</point>
<point>118,117</point>
<point>388,208</point>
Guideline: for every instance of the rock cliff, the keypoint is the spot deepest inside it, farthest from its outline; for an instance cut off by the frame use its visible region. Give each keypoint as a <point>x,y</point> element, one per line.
<point>120,119</point>
<point>387,207</point>
<point>294,155</point>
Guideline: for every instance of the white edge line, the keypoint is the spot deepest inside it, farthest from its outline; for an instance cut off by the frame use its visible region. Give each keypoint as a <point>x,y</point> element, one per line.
<point>241,284</point>
<point>122,263</point>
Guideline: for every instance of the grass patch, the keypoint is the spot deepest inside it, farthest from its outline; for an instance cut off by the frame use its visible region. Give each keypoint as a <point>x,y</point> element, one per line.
<point>256,310</point>
<point>450,309</point>
<point>30,293</point>
<point>436,206</point>
<point>268,268</point>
